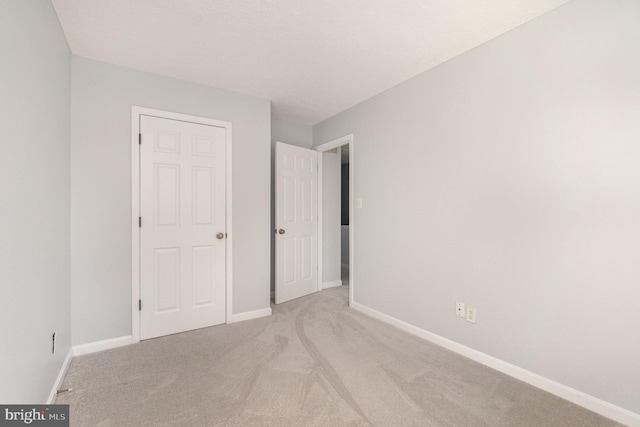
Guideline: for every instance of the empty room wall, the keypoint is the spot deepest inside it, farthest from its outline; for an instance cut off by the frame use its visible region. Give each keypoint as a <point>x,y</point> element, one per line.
<point>509,178</point>
<point>102,96</point>
<point>291,132</point>
<point>34,192</point>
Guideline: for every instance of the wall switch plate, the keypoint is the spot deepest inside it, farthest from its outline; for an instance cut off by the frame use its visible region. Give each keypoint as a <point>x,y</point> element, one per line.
<point>460,310</point>
<point>471,315</point>
<point>359,203</point>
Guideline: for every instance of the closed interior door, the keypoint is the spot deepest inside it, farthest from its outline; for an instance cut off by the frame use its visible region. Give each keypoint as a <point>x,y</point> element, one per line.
<point>296,222</point>
<point>183,226</point>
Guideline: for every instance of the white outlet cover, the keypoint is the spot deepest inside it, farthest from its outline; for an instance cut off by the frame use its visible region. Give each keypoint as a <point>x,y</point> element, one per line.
<point>359,203</point>
<point>471,315</point>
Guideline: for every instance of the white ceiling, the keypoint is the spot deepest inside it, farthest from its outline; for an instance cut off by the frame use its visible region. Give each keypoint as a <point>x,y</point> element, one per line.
<point>311,58</point>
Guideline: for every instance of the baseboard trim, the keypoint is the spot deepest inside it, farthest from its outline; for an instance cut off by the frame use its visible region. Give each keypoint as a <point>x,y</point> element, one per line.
<point>63,371</point>
<point>94,347</point>
<point>578,397</point>
<point>332,284</point>
<point>248,315</point>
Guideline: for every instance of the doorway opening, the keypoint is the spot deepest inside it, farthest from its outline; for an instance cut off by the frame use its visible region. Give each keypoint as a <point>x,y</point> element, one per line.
<point>334,270</point>
<point>344,215</point>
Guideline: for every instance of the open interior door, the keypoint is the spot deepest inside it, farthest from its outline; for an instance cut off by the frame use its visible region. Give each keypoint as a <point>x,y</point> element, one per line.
<point>296,222</point>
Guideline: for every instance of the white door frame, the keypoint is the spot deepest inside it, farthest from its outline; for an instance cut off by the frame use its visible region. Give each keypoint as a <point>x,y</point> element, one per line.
<point>136,112</point>
<point>339,142</point>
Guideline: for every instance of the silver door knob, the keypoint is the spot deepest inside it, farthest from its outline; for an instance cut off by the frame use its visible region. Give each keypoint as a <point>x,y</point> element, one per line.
<point>281,231</point>
<point>220,236</point>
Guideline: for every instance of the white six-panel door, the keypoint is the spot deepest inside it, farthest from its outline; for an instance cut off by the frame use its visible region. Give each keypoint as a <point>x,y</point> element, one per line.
<point>182,235</point>
<point>296,222</point>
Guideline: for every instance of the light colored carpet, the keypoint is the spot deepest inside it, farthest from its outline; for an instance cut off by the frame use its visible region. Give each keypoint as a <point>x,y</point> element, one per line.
<point>315,362</point>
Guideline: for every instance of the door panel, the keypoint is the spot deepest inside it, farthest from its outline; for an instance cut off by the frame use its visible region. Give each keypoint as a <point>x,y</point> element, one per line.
<point>182,205</point>
<point>203,184</point>
<point>203,275</point>
<point>167,277</point>
<point>167,188</point>
<point>296,214</point>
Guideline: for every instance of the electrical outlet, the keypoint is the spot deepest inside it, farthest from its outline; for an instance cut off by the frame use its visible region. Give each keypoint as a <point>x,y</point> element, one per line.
<point>471,315</point>
<point>460,309</point>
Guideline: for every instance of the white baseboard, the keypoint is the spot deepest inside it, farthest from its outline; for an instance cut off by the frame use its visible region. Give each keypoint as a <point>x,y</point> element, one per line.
<point>94,347</point>
<point>332,284</point>
<point>63,371</point>
<point>578,397</point>
<point>248,315</point>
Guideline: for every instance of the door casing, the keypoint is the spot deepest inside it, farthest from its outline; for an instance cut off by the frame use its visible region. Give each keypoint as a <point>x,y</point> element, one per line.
<point>136,111</point>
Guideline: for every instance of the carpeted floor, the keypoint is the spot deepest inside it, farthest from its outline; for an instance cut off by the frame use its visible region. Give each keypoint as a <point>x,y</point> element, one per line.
<point>315,362</point>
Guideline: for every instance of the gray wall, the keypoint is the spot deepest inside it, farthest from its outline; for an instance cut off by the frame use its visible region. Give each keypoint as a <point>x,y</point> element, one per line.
<point>291,133</point>
<point>344,246</point>
<point>102,96</point>
<point>34,199</point>
<point>331,193</point>
<point>510,179</point>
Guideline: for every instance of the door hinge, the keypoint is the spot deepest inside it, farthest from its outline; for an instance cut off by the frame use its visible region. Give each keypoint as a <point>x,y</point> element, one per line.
<point>140,221</point>
<point>139,305</point>
<point>139,139</point>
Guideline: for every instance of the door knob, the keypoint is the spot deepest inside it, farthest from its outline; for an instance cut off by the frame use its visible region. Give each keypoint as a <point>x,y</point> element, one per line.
<point>281,231</point>
<point>220,236</point>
